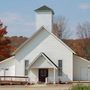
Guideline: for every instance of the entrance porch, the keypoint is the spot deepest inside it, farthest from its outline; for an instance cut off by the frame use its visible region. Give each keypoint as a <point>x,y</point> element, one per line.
<point>43,75</point>
<point>43,70</point>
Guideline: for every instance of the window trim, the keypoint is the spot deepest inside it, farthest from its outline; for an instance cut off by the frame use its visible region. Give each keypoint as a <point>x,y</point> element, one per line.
<point>26,67</point>
<point>60,67</point>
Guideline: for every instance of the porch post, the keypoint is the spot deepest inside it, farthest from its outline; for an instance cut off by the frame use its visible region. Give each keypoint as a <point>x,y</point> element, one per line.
<point>54,77</point>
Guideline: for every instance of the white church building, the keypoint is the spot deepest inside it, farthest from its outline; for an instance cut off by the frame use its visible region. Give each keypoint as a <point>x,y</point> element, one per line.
<point>44,57</point>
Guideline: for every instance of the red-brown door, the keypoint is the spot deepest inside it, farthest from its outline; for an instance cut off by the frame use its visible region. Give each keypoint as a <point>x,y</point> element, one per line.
<point>43,73</point>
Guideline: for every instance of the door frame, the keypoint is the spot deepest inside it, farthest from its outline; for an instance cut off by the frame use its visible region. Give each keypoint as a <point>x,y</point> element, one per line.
<point>41,78</point>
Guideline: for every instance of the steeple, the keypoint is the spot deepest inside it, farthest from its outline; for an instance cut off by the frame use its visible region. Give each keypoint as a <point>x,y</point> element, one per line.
<point>44,17</point>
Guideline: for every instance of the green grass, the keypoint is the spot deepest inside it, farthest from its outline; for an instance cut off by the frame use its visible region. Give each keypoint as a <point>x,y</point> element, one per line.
<point>80,87</point>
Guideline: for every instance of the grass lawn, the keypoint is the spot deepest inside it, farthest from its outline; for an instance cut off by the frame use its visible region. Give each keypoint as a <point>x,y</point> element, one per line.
<point>80,87</point>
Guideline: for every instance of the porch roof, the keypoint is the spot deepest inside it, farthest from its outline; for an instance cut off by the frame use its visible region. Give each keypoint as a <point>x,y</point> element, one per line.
<point>46,58</point>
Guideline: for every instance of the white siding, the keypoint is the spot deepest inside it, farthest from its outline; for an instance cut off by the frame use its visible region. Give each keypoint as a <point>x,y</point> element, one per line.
<point>45,42</point>
<point>20,67</point>
<point>33,75</point>
<point>51,76</point>
<point>10,65</point>
<point>81,67</point>
<point>44,19</point>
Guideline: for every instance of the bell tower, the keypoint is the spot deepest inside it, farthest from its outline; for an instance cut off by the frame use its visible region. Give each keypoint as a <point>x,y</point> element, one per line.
<point>44,17</point>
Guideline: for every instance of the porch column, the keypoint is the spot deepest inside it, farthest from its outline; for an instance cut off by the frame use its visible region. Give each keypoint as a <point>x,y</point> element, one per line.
<point>54,76</point>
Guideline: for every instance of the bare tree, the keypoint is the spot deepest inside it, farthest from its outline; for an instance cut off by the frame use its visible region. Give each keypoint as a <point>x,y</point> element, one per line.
<point>83,30</point>
<point>60,27</point>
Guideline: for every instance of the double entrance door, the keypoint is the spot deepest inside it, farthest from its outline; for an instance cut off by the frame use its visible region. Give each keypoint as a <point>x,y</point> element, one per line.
<point>43,73</point>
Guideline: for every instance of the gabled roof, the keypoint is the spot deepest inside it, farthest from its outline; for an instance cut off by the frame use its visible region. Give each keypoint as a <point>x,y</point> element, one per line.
<point>42,28</point>
<point>82,58</point>
<point>47,58</point>
<point>44,8</point>
<point>8,59</point>
<point>29,39</point>
<point>63,43</point>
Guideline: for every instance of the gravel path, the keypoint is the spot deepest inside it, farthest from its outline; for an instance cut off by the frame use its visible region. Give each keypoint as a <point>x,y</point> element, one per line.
<point>36,87</point>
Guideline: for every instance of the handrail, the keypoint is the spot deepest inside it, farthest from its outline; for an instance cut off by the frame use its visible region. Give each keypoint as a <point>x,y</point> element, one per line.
<point>14,78</point>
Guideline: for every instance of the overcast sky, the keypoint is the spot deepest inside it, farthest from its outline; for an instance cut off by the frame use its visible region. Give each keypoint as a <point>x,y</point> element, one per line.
<point>19,15</point>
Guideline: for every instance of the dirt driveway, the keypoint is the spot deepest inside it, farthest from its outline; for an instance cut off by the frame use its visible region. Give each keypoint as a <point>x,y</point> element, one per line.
<point>37,87</point>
